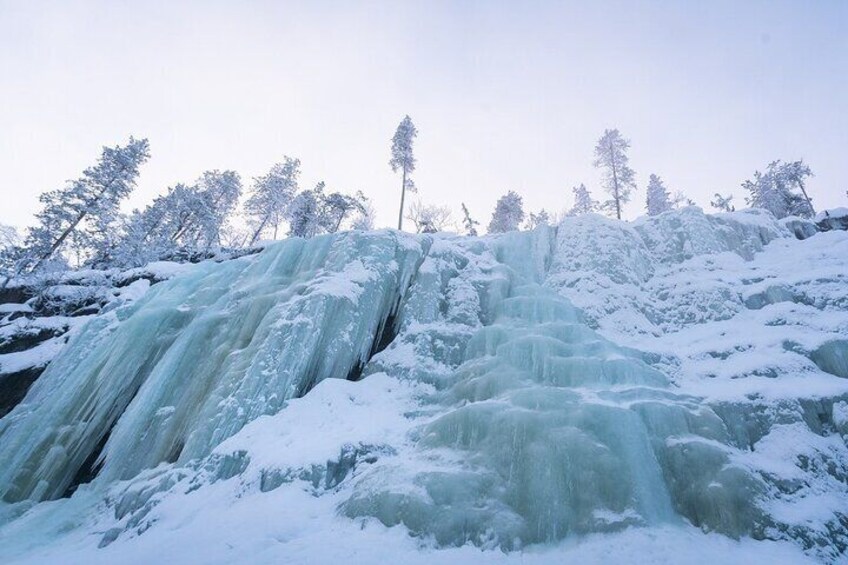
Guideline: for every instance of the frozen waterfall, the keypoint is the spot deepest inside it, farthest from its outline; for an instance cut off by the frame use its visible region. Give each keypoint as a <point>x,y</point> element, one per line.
<point>592,377</point>
<point>173,375</point>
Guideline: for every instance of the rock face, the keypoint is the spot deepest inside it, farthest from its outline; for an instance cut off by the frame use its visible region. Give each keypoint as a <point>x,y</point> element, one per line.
<point>510,390</point>
<point>836,219</point>
<point>34,322</point>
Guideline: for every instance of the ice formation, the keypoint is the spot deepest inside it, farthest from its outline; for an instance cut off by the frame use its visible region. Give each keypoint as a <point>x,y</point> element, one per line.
<point>500,392</point>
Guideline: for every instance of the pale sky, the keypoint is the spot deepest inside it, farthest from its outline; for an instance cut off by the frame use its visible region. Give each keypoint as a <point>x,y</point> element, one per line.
<point>505,95</point>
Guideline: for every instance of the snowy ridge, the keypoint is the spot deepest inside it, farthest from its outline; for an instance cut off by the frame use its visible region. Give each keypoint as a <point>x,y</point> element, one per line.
<point>516,392</point>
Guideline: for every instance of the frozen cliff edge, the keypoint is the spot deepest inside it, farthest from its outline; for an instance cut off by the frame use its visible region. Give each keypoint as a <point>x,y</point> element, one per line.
<point>504,392</point>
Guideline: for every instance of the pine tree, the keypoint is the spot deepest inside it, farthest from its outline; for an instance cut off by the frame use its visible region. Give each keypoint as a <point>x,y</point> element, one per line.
<point>9,251</point>
<point>508,214</point>
<point>658,199</point>
<point>618,177</point>
<point>304,213</point>
<point>540,219</point>
<point>722,203</point>
<point>188,219</point>
<point>468,223</point>
<point>142,238</point>
<point>196,214</point>
<point>366,219</point>
<point>403,159</point>
<point>583,201</point>
<point>795,174</point>
<point>270,197</point>
<point>337,207</point>
<point>8,236</point>
<point>216,195</point>
<point>313,212</point>
<point>774,190</point>
<point>84,214</point>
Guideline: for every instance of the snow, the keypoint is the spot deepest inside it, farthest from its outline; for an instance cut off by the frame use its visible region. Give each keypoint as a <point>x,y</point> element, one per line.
<point>663,391</point>
<point>14,308</point>
<point>832,213</point>
<point>290,524</point>
<point>339,412</point>
<point>37,356</point>
<point>159,270</point>
<point>73,289</point>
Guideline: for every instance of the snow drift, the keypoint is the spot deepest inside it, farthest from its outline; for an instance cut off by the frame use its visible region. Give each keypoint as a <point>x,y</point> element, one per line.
<point>500,392</point>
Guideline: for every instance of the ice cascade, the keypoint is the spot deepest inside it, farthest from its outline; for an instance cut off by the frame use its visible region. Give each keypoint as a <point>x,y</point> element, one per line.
<point>171,376</point>
<point>590,377</point>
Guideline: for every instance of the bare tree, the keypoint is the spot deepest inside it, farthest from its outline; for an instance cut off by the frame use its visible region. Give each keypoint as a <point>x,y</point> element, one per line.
<point>469,223</point>
<point>429,218</point>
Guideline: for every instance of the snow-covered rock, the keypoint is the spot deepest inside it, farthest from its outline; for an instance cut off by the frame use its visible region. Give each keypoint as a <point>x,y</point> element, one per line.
<point>35,321</point>
<point>833,219</point>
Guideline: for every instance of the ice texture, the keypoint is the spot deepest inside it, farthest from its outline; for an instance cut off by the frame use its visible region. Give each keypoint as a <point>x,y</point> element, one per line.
<point>171,376</point>
<point>502,392</point>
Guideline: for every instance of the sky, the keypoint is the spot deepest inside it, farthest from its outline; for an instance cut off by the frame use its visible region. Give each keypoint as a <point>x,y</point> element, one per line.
<point>505,95</point>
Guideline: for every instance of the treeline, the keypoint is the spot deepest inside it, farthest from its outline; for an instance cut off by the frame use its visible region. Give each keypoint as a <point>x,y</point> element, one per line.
<point>81,224</point>
<point>781,190</point>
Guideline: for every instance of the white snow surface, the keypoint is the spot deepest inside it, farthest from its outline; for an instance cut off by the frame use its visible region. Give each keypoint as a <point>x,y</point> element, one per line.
<point>672,390</point>
<point>83,284</point>
<point>840,212</point>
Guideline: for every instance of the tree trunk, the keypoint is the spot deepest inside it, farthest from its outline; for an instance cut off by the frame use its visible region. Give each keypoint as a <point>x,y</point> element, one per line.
<point>259,230</point>
<point>86,207</point>
<point>615,183</point>
<point>339,223</point>
<point>181,229</point>
<point>809,202</point>
<point>402,195</point>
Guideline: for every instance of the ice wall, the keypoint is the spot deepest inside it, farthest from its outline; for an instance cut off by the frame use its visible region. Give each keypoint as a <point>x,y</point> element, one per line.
<point>542,428</point>
<point>170,377</point>
<point>587,378</point>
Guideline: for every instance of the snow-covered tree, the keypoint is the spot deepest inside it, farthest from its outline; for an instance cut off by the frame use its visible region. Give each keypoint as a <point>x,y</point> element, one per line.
<point>365,221</point>
<point>193,216</point>
<point>468,222</point>
<point>235,235</point>
<point>270,197</point>
<point>583,201</point>
<point>8,236</point>
<point>188,219</point>
<point>213,198</point>
<point>658,199</point>
<point>795,175</point>
<point>144,236</point>
<point>775,190</point>
<point>508,214</point>
<point>338,207</point>
<point>82,217</point>
<point>304,213</point>
<point>541,219</point>
<point>9,251</point>
<point>403,159</point>
<point>723,203</point>
<point>618,177</point>
<point>680,199</point>
<point>429,218</point>
<point>313,212</point>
